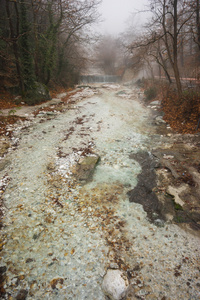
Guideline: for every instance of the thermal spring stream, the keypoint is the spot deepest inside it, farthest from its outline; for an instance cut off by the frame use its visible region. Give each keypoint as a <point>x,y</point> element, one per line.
<point>61,234</point>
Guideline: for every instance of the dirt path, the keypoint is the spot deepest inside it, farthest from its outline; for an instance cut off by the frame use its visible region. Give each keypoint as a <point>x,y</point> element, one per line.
<point>62,230</point>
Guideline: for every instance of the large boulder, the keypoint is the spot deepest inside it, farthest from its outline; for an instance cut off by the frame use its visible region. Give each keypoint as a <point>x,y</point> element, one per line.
<point>115,284</point>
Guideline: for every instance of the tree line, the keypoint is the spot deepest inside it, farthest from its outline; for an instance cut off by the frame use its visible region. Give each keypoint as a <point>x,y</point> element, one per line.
<point>41,40</point>
<point>171,40</point>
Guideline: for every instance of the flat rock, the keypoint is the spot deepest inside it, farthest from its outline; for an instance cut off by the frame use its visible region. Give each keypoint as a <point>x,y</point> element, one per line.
<point>115,284</point>
<point>84,169</point>
<point>176,192</point>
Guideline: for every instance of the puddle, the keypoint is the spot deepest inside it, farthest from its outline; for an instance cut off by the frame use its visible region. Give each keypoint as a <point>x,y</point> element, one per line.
<point>61,236</point>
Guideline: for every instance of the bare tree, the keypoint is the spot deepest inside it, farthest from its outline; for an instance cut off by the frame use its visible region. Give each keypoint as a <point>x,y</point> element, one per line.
<point>165,34</point>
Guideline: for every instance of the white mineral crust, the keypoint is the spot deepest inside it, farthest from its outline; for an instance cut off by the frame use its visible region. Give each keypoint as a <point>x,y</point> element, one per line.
<point>115,284</point>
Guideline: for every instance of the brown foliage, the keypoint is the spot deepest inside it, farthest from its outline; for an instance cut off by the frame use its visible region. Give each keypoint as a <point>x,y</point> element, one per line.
<point>6,99</point>
<point>182,114</point>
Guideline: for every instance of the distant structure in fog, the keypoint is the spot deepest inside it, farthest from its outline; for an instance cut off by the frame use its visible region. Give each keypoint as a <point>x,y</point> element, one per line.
<point>99,79</point>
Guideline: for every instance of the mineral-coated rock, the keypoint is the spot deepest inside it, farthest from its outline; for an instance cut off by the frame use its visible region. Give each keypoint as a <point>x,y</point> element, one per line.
<point>85,167</point>
<point>115,284</point>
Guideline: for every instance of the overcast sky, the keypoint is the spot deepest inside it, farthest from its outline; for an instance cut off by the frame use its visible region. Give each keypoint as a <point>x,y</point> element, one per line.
<point>116,13</point>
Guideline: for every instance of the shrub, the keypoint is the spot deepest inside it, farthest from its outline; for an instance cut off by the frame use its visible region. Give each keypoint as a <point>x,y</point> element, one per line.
<point>140,83</point>
<point>39,93</point>
<point>150,93</point>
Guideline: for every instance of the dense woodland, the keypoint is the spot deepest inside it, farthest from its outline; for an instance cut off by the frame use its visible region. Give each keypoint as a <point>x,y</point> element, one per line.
<point>42,41</point>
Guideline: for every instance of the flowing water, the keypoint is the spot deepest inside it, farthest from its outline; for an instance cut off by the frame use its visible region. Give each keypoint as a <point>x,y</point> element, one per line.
<point>61,235</point>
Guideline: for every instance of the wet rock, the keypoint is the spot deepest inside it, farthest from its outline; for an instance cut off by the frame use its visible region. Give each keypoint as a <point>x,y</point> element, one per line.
<point>84,169</point>
<point>22,294</point>
<point>4,164</point>
<point>143,193</point>
<point>115,284</point>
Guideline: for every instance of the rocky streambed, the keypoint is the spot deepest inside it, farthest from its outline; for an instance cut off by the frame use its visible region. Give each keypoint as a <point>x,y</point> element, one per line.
<point>99,199</point>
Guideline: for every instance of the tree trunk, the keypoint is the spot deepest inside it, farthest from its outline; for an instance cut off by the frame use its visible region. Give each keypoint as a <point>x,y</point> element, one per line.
<point>36,50</point>
<point>182,51</point>
<point>159,71</point>
<point>175,52</point>
<point>173,55</point>
<point>198,25</point>
<point>163,63</point>
<point>15,46</point>
<point>166,72</point>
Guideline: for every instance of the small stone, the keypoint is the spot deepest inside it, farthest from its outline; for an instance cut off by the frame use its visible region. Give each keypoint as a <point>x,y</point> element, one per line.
<point>51,166</point>
<point>157,102</point>
<point>115,284</point>
<point>159,119</point>
<point>50,113</point>
<point>114,265</point>
<point>28,260</point>
<point>22,294</point>
<point>56,282</point>
<point>159,223</point>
